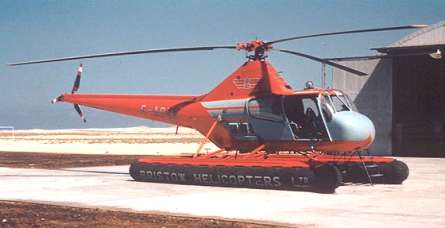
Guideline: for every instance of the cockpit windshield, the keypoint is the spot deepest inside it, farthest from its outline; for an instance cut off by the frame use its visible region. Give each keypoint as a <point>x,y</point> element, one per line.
<point>351,104</point>
<point>341,102</point>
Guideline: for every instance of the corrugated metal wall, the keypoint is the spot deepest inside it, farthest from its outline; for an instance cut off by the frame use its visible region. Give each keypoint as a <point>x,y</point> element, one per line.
<point>372,95</point>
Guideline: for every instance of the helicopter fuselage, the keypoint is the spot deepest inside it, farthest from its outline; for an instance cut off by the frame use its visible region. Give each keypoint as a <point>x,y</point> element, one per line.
<point>252,107</point>
<point>313,119</point>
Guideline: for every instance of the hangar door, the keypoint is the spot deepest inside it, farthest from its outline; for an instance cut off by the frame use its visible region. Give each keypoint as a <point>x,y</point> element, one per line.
<point>419,106</point>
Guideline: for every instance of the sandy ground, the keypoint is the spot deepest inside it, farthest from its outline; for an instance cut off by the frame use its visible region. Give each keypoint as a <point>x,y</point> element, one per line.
<point>124,141</point>
<point>58,160</point>
<point>27,214</point>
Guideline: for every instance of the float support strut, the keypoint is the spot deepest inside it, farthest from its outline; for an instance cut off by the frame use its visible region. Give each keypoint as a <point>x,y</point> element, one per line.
<point>204,141</point>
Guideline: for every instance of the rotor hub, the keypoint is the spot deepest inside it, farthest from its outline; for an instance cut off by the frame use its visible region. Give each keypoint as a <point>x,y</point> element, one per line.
<point>258,47</point>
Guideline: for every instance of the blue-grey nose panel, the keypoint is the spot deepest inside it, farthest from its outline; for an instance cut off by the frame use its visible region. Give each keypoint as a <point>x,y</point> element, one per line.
<point>350,126</point>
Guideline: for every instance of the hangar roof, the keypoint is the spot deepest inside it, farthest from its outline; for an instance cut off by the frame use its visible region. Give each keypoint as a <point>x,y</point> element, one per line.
<point>414,49</point>
<point>422,41</point>
<point>433,34</point>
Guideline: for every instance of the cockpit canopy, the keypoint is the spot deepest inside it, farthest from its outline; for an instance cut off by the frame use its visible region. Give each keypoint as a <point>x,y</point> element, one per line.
<point>335,102</point>
<point>301,119</point>
<point>307,113</point>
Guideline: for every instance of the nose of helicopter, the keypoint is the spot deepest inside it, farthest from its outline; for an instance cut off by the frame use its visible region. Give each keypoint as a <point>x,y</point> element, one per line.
<point>350,126</point>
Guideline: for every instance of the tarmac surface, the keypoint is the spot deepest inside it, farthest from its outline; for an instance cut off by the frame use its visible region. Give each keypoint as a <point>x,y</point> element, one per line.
<point>418,202</point>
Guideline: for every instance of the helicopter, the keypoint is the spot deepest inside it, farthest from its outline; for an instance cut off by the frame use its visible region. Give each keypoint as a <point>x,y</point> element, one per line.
<point>270,135</point>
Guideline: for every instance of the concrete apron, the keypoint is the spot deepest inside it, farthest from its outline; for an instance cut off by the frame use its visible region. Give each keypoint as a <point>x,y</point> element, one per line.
<point>419,202</point>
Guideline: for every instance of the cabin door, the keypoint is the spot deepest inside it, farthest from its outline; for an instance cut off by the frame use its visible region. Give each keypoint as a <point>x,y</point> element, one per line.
<point>267,117</point>
<point>304,117</point>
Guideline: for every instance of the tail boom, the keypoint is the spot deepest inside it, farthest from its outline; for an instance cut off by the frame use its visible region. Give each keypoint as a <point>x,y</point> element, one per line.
<point>143,106</point>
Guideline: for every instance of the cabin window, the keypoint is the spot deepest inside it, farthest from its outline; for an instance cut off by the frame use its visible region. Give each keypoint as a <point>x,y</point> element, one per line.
<point>303,113</point>
<point>240,128</point>
<point>268,108</point>
<point>310,105</point>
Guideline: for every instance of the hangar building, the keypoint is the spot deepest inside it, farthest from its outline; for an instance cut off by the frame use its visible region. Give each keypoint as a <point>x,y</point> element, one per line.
<point>404,93</point>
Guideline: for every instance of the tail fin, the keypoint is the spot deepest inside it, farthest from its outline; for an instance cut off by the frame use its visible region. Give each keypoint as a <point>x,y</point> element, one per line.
<point>253,78</point>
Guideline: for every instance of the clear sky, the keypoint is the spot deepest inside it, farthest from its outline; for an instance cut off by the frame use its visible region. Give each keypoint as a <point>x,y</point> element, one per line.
<point>46,29</point>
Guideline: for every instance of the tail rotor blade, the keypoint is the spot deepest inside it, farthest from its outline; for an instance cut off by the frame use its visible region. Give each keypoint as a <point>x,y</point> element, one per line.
<point>79,111</point>
<point>77,81</point>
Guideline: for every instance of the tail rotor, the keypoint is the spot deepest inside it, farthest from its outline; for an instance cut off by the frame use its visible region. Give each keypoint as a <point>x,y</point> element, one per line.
<point>75,88</point>
<point>77,81</point>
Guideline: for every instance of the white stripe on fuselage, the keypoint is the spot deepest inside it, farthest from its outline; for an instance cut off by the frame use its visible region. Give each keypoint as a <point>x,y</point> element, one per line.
<point>224,103</point>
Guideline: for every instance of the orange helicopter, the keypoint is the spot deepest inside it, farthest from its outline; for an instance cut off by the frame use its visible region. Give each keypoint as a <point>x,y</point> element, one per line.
<point>269,135</point>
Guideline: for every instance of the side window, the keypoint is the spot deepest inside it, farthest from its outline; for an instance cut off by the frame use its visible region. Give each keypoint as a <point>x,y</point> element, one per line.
<point>310,104</point>
<point>268,108</point>
<point>242,128</point>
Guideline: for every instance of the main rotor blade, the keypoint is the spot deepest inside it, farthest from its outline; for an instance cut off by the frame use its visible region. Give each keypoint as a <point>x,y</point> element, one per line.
<point>347,32</point>
<point>353,58</point>
<point>345,68</point>
<point>382,56</point>
<point>204,48</point>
